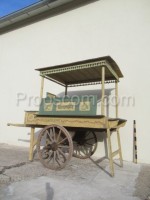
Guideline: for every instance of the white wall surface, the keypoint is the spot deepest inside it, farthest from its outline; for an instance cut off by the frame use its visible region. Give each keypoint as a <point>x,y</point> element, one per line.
<point>117,28</point>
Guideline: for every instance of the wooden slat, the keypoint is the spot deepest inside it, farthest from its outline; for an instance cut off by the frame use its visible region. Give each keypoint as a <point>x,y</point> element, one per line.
<point>115,153</point>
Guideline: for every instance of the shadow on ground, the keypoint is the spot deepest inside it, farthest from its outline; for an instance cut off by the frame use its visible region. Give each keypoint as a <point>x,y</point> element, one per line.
<point>143,183</point>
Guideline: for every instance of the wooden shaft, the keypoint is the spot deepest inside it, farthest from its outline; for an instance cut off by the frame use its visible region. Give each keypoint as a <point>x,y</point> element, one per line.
<point>42,87</point>
<point>116,97</point>
<point>103,92</point>
<point>110,153</point>
<point>31,144</point>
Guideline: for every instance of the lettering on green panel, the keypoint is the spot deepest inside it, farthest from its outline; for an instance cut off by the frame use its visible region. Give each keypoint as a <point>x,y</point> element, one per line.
<point>65,106</point>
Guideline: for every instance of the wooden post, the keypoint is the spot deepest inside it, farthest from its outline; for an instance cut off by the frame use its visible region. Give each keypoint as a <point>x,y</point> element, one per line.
<point>103,92</point>
<point>31,144</point>
<point>42,86</point>
<point>116,97</point>
<point>110,153</point>
<point>66,90</point>
<point>120,151</point>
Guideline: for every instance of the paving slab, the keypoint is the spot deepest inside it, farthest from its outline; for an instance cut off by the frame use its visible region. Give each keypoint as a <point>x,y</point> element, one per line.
<point>80,180</point>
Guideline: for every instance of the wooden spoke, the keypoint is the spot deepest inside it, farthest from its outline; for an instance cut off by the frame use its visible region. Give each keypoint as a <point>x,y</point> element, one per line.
<point>62,153</point>
<point>54,134</point>
<point>88,144</point>
<point>58,135</point>
<point>56,153</point>
<point>63,140</point>
<point>87,134</point>
<point>50,157</point>
<point>49,136</point>
<point>63,146</point>
<point>85,144</point>
<point>54,158</point>
<point>58,157</point>
<point>50,154</point>
<point>88,139</point>
<point>84,150</point>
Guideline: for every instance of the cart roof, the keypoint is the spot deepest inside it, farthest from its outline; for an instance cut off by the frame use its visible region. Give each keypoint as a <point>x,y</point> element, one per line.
<point>85,71</point>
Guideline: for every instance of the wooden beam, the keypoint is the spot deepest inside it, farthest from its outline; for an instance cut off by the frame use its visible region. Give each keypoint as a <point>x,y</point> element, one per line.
<point>112,72</point>
<point>103,92</point>
<point>42,87</point>
<point>50,79</point>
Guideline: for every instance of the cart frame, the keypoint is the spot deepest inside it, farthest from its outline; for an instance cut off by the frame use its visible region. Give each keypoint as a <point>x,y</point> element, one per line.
<point>94,71</point>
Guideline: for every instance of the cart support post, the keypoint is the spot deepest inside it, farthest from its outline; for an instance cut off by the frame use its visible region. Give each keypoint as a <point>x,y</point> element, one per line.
<point>31,144</point>
<point>116,97</point>
<point>42,86</point>
<point>110,153</point>
<point>120,151</point>
<point>103,92</point>
<point>66,89</point>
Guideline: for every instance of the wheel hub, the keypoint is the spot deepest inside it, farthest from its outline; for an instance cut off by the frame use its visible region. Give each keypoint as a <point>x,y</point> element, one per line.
<point>54,146</point>
<point>82,142</point>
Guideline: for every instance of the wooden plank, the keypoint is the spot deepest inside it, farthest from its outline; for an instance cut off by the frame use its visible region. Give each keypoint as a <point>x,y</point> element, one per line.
<point>100,122</point>
<point>85,122</point>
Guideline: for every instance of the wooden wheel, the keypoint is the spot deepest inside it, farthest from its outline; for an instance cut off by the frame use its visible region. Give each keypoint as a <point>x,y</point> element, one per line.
<point>54,147</point>
<point>85,144</point>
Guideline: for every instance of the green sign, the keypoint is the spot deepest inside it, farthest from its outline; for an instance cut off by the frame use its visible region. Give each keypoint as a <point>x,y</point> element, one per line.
<point>76,106</point>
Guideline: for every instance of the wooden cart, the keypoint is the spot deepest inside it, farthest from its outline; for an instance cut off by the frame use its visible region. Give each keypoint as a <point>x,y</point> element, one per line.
<point>58,116</point>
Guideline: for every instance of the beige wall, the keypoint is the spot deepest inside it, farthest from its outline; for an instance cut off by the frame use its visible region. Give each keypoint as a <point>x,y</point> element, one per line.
<point>117,28</point>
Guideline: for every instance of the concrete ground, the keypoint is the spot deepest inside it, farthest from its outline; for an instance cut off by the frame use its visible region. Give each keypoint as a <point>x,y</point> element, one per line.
<point>80,180</point>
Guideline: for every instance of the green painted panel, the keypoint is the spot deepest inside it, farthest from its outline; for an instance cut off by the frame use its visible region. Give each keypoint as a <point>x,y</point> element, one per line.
<point>76,106</point>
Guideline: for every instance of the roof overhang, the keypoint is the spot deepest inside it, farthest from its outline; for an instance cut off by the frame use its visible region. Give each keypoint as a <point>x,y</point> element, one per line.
<point>38,11</point>
<point>82,72</point>
<point>30,13</point>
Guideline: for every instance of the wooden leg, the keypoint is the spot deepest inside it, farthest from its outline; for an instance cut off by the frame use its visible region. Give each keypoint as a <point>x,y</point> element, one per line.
<point>110,153</point>
<point>31,144</point>
<point>119,145</point>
